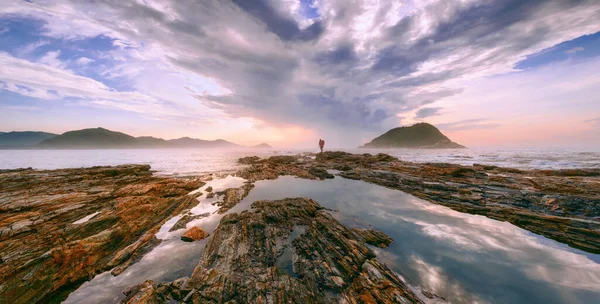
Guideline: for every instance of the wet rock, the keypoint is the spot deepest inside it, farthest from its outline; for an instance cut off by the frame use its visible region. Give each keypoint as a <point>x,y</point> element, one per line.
<point>248,160</point>
<point>232,196</point>
<point>506,194</point>
<point>320,173</point>
<point>134,252</point>
<point>329,263</point>
<point>462,172</point>
<point>341,167</point>
<point>374,237</point>
<point>144,293</point>
<point>433,296</point>
<point>45,255</point>
<point>194,234</point>
<point>209,189</point>
<point>282,159</point>
<point>184,220</point>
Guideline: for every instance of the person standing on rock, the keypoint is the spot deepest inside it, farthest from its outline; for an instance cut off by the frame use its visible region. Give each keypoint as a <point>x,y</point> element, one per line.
<point>321,144</point>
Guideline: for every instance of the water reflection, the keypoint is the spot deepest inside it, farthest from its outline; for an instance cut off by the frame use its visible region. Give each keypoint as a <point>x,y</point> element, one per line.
<point>464,258</point>
<point>170,260</point>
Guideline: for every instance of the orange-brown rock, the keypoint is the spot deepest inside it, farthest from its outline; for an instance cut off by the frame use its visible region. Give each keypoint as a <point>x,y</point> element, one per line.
<point>194,234</point>
<point>246,262</point>
<point>47,248</point>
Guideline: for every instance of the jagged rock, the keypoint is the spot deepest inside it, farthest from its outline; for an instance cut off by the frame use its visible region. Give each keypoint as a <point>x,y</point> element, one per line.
<point>144,293</point>
<point>374,237</point>
<point>45,255</point>
<point>248,160</point>
<point>505,194</point>
<point>320,173</point>
<point>232,196</point>
<point>184,220</point>
<point>134,252</point>
<point>194,234</point>
<point>246,262</point>
<point>281,159</point>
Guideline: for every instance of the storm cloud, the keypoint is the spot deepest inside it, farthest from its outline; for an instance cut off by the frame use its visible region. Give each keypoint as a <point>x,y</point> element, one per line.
<point>352,66</point>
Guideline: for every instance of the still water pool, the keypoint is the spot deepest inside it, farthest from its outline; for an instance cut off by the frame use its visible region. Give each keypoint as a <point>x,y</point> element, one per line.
<point>464,258</point>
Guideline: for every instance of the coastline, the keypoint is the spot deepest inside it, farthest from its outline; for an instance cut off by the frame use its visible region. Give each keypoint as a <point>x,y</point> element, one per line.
<point>545,202</point>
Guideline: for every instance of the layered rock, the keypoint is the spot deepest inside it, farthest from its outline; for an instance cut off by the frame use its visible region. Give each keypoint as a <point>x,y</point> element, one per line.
<point>262,256</point>
<point>185,219</point>
<point>59,228</point>
<point>374,237</point>
<point>232,196</point>
<point>563,205</point>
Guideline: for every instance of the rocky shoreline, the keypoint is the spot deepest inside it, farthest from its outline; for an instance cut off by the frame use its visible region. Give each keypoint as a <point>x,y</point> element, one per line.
<point>59,228</point>
<point>49,246</point>
<point>563,205</point>
<point>245,262</point>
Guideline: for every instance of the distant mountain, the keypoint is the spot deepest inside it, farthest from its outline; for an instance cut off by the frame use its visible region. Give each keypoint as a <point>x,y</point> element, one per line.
<point>421,135</point>
<point>90,138</point>
<point>187,142</point>
<point>100,138</point>
<point>262,146</point>
<point>22,139</point>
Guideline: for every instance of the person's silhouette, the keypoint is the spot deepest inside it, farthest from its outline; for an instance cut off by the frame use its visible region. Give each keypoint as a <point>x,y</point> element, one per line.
<point>321,144</point>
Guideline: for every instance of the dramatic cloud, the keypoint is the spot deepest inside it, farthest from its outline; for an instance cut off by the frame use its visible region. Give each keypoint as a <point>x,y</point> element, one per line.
<point>337,67</point>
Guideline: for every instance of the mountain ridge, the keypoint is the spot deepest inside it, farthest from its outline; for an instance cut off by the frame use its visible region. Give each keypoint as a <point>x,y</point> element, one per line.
<point>101,138</point>
<point>17,139</point>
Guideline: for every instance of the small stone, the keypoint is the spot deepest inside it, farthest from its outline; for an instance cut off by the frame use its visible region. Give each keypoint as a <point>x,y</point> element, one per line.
<point>194,234</point>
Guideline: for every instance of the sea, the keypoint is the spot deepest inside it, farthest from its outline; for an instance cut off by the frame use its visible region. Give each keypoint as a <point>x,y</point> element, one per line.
<point>201,161</point>
<point>462,257</point>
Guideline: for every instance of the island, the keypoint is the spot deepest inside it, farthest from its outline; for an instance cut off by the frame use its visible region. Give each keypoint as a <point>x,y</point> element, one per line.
<point>101,138</point>
<point>262,146</point>
<point>421,135</point>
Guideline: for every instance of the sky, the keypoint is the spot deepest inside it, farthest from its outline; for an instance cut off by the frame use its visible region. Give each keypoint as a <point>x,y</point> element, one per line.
<point>505,73</point>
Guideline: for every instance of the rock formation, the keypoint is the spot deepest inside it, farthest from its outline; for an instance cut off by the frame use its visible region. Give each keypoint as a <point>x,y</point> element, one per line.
<point>194,234</point>
<point>45,254</point>
<point>285,251</point>
<point>563,205</point>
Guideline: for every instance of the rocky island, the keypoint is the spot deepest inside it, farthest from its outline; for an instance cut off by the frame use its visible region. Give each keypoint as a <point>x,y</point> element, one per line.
<point>262,146</point>
<point>60,228</point>
<point>421,135</point>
